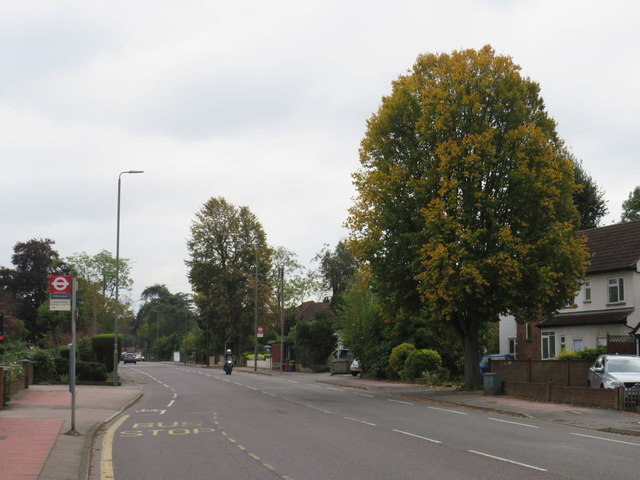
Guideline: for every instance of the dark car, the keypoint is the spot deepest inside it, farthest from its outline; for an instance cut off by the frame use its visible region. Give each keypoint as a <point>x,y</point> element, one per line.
<point>129,357</point>
<point>484,362</point>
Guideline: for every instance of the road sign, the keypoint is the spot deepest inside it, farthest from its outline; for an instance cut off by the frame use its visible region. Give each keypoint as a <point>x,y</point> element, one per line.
<point>60,293</point>
<point>260,332</point>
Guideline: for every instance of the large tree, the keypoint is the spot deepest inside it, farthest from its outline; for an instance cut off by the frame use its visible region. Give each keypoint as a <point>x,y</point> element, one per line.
<point>631,206</point>
<point>96,290</point>
<point>227,246</point>
<point>337,269</point>
<point>588,197</point>
<point>34,261</point>
<point>465,204</point>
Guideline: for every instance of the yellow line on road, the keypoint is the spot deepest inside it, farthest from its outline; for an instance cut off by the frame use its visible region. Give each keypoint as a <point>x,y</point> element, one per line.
<point>106,459</point>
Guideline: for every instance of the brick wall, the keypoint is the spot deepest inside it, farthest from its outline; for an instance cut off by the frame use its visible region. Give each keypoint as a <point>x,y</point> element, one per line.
<point>549,392</point>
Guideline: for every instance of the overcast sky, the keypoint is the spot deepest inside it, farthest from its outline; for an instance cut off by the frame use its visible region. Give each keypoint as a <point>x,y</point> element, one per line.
<point>264,103</point>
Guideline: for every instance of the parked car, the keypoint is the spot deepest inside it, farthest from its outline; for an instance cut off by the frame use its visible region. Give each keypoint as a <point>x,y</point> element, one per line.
<point>484,362</point>
<point>611,371</point>
<point>129,357</point>
<point>355,367</point>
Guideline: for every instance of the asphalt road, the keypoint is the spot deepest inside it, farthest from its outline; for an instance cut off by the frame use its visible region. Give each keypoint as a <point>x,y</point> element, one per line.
<point>196,423</point>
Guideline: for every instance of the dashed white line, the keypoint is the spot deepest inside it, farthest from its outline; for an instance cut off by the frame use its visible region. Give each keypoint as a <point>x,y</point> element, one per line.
<point>399,401</point>
<point>526,465</point>
<point>417,436</point>
<point>448,410</point>
<point>513,423</point>
<point>363,394</point>
<point>336,389</point>
<point>359,421</point>
<point>170,403</point>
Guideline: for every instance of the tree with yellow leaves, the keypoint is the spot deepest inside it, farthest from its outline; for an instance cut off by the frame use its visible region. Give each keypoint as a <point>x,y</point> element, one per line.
<point>464,206</point>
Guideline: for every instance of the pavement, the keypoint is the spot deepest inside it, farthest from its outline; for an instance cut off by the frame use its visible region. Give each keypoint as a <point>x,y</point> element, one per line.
<point>37,441</point>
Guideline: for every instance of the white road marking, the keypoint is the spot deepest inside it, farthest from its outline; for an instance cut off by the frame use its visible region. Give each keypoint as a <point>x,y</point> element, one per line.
<point>447,410</point>
<point>606,439</point>
<point>513,423</point>
<point>417,436</point>
<point>399,401</point>
<point>170,403</point>
<point>359,421</point>
<point>363,394</point>
<point>336,389</point>
<point>508,461</point>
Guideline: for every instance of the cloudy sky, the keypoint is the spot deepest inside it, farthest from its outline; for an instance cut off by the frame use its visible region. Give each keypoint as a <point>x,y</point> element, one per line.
<point>265,104</point>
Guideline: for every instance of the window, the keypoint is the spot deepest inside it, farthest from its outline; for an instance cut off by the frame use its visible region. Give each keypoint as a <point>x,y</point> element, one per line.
<point>587,291</point>
<point>548,345</point>
<point>512,346</point>
<point>563,343</point>
<point>616,290</point>
<point>578,346</point>
<point>527,331</point>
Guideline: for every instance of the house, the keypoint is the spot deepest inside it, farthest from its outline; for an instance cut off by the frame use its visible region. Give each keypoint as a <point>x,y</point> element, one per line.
<point>605,310</point>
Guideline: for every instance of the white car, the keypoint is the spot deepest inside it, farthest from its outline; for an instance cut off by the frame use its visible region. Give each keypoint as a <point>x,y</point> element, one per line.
<point>355,367</point>
<point>611,371</point>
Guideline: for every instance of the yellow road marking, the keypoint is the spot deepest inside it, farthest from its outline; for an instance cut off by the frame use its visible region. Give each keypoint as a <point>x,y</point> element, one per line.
<point>106,459</point>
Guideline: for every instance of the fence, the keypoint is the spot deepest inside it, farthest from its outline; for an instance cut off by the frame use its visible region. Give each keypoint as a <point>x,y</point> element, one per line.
<point>561,381</point>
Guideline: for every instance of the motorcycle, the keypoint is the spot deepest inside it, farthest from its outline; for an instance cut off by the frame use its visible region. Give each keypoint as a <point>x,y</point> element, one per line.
<point>228,367</point>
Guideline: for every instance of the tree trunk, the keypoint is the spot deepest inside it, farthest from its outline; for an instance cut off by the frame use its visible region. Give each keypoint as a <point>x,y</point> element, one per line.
<point>468,331</point>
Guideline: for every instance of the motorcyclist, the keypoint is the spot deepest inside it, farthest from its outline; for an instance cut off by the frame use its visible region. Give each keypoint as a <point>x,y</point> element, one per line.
<point>228,356</point>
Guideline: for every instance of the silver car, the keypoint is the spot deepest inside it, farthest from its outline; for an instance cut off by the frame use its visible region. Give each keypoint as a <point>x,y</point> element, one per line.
<point>611,371</point>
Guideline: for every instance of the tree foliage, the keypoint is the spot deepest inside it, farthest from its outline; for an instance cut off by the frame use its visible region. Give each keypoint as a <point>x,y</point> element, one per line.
<point>34,261</point>
<point>588,197</point>
<point>465,204</point>
<point>337,269</point>
<point>631,206</point>
<point>226,246</point>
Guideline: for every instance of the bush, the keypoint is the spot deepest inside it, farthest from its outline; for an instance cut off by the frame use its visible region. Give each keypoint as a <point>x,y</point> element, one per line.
<point>592,353</point>
<point>421,363</point>
<point>399,356</point>
<point>44,369</point>
<point>91,371</point>
<point>103,349</point>
<point>61,366</point>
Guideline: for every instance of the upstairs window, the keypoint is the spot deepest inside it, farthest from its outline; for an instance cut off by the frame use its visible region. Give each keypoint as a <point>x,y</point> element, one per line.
<point>587,291</point>
<point>616,290</point>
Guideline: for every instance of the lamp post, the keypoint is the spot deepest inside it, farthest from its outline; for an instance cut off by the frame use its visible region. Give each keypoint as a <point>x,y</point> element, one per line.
<point>116,360</point>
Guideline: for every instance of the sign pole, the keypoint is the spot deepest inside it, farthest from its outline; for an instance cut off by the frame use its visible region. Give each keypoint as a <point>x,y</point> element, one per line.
<point>72,358</point>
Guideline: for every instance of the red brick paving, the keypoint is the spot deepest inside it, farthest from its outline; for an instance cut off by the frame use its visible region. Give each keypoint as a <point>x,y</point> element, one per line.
<point>25,444</point>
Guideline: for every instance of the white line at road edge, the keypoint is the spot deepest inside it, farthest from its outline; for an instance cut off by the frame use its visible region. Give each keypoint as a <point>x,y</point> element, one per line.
<point>606,439</point>
<point>508,461</point>
<point>513,423</point>
<point>418,436</point>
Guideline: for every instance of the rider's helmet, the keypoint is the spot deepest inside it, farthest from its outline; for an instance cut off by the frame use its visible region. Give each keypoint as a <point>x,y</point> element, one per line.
<point>228,350</point>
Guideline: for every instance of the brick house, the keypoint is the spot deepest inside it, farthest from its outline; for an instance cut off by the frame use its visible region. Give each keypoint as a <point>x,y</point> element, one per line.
<point>606,310</point>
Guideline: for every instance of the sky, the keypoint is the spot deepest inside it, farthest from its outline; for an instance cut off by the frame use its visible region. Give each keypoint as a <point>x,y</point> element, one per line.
<point>264,104</point>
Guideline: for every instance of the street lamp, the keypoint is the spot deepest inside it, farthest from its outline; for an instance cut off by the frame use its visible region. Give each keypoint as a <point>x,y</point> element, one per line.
<point>116,360</point>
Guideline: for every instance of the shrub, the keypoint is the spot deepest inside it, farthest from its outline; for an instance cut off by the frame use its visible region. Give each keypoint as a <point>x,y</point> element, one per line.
<point>44,369</point>
<point>592,353</point>
<point>399,356</point>
<point>61,366</point>
<point>421,363</point>
<point>103,348</point>
<point>91,371</point>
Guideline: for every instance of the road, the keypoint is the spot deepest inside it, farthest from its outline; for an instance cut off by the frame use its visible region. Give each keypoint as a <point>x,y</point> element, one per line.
<point>196,423</point>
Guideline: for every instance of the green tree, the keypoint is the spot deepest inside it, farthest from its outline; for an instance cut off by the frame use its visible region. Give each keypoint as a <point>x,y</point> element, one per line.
<point>588,197</point>
<point>226,246</point>
<point>96,289</point>
<point>314,341</point>
<point>337,269</point>
<point>631,206</point>
<point>465,199</point>
<point>34,261</point>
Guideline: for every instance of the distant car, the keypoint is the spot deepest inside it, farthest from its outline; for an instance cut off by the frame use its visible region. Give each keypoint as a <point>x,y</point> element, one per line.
<point>611,371</point>
<point>484,362</point>
<point>355,367</point>
<point>139,357</point>
<point>129,357</point>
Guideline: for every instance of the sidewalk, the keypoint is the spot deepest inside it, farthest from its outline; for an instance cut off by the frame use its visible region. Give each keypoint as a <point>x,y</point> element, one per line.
<point>34,444</point>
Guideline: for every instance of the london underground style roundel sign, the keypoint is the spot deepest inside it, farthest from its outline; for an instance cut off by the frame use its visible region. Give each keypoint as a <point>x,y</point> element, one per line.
<point>60,284</point>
